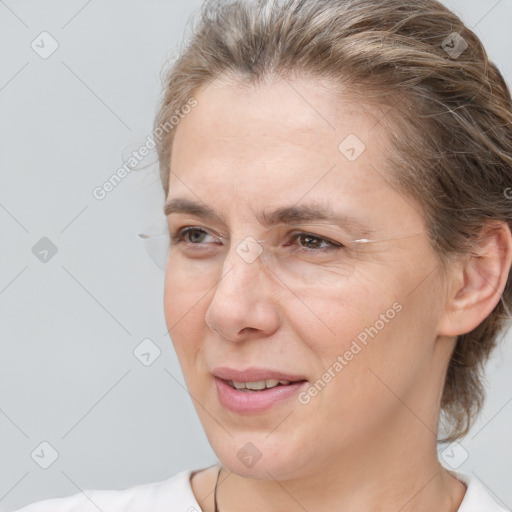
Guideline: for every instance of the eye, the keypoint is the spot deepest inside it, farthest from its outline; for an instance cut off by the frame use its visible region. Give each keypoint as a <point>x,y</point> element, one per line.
<point>196,236</point>
<point>305,242</point>
<point>309,242</point>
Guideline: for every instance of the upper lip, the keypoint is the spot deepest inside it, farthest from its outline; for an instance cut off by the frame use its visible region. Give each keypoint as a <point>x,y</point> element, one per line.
<point>253,374</point>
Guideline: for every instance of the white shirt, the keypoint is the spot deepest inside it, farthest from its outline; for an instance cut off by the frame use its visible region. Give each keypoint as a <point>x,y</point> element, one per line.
<point>176,492</point>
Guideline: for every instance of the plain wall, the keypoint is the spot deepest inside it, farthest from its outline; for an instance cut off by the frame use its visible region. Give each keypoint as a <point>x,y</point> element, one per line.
<point>69,326</point>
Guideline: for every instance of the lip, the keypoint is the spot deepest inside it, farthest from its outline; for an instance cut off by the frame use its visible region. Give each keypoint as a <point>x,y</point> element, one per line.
<point>253,374</point>
<point>247,402</point>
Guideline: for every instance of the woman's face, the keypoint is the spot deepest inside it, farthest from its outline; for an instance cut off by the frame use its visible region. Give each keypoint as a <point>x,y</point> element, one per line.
<point>351,325</point>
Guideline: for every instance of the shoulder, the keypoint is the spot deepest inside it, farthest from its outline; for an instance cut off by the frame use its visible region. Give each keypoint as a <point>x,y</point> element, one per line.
<point>477,497</point>
<point>155,496</point>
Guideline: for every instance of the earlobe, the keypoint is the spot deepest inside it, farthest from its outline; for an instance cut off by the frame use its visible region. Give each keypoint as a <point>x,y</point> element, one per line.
<point>478,282</point>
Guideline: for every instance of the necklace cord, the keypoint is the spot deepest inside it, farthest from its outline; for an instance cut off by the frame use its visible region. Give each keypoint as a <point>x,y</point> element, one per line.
<point>216,508</point>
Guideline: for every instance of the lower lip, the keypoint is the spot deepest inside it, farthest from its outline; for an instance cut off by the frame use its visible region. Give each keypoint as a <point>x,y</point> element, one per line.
<point>254,401</point>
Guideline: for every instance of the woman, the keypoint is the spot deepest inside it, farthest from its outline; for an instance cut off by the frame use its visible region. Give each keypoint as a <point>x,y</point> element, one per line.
<point>336,175</point>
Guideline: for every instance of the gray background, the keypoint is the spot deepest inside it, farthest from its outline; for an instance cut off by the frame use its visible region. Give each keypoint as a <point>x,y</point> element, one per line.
<point>68,375</point>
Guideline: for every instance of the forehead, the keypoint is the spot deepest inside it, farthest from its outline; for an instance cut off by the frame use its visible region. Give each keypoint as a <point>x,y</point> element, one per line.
<point>304,112</point>
<point>280,142</point>
<point>243,126</point>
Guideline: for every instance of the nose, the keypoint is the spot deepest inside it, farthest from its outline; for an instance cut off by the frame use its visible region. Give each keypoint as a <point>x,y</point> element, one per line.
<point>243,304</point>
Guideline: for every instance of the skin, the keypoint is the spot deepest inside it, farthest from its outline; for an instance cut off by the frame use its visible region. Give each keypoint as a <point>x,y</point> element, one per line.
<point>367,442</point>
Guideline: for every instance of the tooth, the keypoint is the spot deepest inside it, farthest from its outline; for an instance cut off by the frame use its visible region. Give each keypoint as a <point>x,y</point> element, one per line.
<point>259,385</point>
<point>255,385</point>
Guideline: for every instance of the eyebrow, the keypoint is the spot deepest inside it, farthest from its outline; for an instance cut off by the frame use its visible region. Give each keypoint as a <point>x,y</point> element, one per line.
<point>295,214</point>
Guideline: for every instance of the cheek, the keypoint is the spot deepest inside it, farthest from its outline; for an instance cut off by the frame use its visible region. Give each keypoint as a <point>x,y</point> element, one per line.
<point>184,311</point>
<point>185,290</point>
<point>385,346</point>
<point>365,324</point>
<point>331,318</point>
<point>176,300</point>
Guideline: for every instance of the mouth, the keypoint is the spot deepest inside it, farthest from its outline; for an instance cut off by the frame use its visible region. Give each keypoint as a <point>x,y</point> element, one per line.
<point>255,390</point>
<point>259,385</point>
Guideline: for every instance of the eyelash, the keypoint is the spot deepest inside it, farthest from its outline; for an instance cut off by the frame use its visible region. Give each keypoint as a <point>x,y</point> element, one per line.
<point>181,233</point>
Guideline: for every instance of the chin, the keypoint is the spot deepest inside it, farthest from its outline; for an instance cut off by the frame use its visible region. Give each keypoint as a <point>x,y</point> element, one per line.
<point>260,456</point>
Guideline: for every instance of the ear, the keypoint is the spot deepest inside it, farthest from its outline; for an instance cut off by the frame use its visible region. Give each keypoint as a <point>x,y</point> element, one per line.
<point>478,280</point>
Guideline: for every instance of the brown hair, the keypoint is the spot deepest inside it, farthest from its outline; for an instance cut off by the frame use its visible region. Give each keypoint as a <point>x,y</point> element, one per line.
<point>450,119</point>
